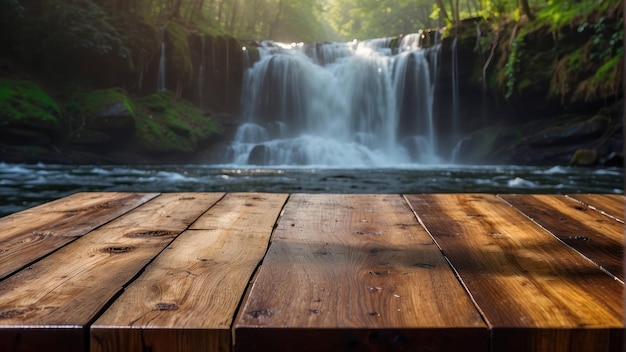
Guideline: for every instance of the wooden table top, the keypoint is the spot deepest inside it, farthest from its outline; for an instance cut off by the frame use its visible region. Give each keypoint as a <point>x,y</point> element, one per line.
<point>314,272</point>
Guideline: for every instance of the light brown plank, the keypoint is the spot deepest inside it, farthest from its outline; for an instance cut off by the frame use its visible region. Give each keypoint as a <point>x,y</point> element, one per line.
<point>598,237</point>
<point>536,293</point>
<point>65,291</point>
<point>187,299</point>
<point>348,272</point>
<point>33,233</point>
<point>609,204</point>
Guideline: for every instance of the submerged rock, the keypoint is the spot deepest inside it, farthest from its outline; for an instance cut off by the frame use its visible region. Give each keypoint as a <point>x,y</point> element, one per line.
<point>258,155</point>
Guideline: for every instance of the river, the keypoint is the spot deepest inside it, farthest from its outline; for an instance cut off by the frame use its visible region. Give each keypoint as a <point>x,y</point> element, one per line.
<point>26,185</point>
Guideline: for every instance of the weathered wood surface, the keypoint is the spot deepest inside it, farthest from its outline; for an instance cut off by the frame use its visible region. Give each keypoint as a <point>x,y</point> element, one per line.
<point>348,272</point>
<point>609,204</point>
<point>181,272</point>
<point>66,290</point>
<point>536,294</point>
<point>187,298</point>
<point>29,235</point>
<point>595,235</point>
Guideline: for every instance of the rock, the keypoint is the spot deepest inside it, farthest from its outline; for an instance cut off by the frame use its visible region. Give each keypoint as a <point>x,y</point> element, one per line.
<point>614,160</point>
<point>24,136</point>
<point>166,124</point>
<point>25,106</point>
<point>108,111</point>
<point>576,131</point>
<point>114,117</point>
<point>584,157</point>
<point>258,155</point>
<point>87,137</point>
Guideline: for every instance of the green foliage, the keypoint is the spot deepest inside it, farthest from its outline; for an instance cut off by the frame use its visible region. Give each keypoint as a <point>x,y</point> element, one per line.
<point>167,125</point>
<point>56,26</point>
<point>512,66</point>
<point>560,13</point>
<point>607,38</point>
<point>576,46</point>
<point>26,103</point>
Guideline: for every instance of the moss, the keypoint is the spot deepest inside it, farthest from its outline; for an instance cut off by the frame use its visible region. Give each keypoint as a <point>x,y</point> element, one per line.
<point>25,102</point>
<point>91,103</point>
<point>165,124</point>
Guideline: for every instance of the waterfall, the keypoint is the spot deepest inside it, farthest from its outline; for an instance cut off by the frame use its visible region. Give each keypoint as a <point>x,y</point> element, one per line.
<point>161,77</point>
<point>455,90</point>
<point>355,104</point>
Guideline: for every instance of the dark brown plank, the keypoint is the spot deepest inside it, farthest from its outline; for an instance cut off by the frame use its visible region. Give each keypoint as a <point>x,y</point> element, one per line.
<point>347,272</point>
<point>33,233</point>
<point>536,293</point>
<point>65,291</point>
<point>609,204</point>
<point>187,299</point>
<point>598,237</point>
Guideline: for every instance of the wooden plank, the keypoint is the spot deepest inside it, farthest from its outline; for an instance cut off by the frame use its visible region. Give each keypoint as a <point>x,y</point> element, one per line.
<point>536,293</point>
<point>186,300</point>
<point>348,272</point>
<point>66,290</point>
<point>609,204</point>
<point>598,237</point>
<point>33,233</point>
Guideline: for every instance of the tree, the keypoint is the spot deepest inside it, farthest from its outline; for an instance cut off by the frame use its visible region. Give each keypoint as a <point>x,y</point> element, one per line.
<point>526,9</point>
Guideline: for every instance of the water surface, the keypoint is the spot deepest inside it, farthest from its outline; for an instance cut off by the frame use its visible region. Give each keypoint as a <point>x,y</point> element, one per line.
<point>24,186</point>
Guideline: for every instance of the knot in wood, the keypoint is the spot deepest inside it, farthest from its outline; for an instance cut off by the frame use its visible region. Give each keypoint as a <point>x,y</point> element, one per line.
<point>118,250</point>
<point>155,233</point>
<point>166,306</point>
<point>260,313</point>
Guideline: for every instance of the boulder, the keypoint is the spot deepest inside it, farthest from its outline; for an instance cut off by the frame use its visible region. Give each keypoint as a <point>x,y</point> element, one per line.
<point>107,111</point>
<point>584,157</point>
<point>258,155</point>
<point>28,115</point>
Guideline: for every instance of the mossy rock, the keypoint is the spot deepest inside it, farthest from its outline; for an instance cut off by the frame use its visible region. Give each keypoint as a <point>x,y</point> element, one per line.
<point>165,124</point>
<point>25,104</point>
<point>108,110</point>
<point>585,157</point>
<point>488,143</point>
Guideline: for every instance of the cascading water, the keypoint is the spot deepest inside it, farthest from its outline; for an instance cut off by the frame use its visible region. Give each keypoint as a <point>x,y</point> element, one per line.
<point>455,89</point>
<point>339,105</point>
<point>161,78</point>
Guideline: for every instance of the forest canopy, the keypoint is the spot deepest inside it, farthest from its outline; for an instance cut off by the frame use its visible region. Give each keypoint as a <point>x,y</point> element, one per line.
<point>105,25</point>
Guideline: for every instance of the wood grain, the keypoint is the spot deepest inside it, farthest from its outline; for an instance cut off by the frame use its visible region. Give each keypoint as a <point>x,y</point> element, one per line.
<point>187,299</point>
<point>533,290</point>
<point>609,204</point>
<point>598,237</point>
<point>32,234</point>
<point>68,288</point>
<point>348,272</point>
